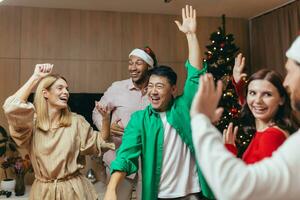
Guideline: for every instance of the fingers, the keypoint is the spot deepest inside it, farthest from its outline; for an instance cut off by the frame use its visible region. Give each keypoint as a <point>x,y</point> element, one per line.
<point>244,75</point>
<point>116,129</point>
<point>191,12</point>
<point>47,67</point>
<point>207,92</point>
<point>117,121</point>
<point>209,83</point>
<point>115,132</point>
<point>219,89</point>
<point>217,115</point>
<point>242,64</point>
<point>229,133</point>
<point>194,14</point>
<point>187,11</point>
<point>44,68</point>
<point>235,131</point>
<point>203,87</point>
<point>238,58</point>
<point>183,13</point>
<point>178,24</point>
<point>237,61</point>
<point>230,126</point>
<point>103,110</point>
<point>115,126</point>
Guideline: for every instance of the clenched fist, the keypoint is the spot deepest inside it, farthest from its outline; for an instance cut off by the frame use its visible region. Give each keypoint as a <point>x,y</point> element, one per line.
<point>42,70</point>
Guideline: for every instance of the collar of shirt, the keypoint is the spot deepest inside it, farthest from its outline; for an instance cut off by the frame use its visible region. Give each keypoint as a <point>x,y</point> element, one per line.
<point>131,86</point>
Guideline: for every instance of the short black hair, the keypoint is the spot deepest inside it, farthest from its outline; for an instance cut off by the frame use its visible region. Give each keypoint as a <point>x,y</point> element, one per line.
<point>165,71</point>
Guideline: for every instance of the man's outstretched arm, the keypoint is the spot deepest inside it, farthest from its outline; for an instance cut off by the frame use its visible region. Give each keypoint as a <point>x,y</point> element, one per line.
<point>189,27</point>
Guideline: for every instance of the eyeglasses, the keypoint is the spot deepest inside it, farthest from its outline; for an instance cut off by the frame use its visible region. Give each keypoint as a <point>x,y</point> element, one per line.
<point>6,193</point>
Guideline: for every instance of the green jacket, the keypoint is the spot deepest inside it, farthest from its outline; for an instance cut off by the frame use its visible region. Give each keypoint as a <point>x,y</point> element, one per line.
<point>144,136</point>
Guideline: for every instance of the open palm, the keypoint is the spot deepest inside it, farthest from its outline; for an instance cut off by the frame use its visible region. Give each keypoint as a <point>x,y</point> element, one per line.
<point>238,68</point>
<point>188,24</point>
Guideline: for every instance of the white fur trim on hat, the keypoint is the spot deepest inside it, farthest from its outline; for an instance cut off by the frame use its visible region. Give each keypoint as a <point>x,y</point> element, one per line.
<point>143,55</point>
<point>294,51</point>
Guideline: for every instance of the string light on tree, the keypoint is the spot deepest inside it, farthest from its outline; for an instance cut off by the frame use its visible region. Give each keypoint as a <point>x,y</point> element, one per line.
<point>220,56</point>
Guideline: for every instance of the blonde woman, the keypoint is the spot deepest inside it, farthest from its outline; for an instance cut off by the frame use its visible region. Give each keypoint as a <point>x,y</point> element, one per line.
<point>56,139</point>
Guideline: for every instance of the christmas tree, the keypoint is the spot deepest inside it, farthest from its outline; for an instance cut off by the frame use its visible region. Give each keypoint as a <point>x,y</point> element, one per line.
<point>220,57</point>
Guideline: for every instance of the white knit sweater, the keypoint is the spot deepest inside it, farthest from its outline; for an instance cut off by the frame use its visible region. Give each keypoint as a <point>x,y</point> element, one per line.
<point>230,178</point>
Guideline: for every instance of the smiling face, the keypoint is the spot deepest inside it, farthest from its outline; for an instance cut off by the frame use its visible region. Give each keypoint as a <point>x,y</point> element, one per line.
<point>160,92</point>
<point>263,100</point>
<point>138,69</point>
<point>292,82</point>
<point>57,95</point>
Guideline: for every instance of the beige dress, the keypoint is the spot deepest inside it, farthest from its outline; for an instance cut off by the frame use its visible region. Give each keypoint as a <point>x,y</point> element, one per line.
<point>56,155</point>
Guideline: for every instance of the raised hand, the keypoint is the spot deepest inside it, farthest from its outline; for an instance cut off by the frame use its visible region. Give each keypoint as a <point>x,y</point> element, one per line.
<point>42,70</point>
<point>189,24</point>
<point>207,98</point>
<point>238,68</point>
<point>229,134</point>
<point>105,111</point>
<point>117,127</point>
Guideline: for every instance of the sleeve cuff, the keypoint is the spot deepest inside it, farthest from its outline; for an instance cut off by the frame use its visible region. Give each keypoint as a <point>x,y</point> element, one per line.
<point>231,148</point>
<point>13,100</point>
<point>124,166</point>
<point>193,70</point>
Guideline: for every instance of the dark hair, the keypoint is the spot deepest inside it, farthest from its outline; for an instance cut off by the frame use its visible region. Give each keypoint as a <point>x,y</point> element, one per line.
<point>284,118</point>
<point>151,53</point>
<point>165,71</point>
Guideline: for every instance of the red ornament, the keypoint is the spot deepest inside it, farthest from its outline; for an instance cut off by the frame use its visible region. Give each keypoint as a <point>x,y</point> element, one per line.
<point>234,111</point>
<point>222,45</point>
<point>147,50</point>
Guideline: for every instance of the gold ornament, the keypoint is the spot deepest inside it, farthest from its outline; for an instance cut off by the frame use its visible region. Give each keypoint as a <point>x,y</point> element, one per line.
<point>229,94</point>
<point>225,79</point>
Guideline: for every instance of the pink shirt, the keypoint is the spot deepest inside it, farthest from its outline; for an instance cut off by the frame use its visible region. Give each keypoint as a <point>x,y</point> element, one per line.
<point>125,98</point>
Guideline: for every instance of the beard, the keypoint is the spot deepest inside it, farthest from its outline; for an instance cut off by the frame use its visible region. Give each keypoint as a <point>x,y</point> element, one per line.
<point>294,100</point>
<point>142,79</point>
<point>296,105</point>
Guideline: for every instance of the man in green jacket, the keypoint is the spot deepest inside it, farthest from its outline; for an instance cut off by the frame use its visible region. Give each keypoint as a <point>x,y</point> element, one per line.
<point>161,133</point>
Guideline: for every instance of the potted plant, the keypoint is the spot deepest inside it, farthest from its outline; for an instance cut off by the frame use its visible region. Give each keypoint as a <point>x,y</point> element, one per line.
<point>10,158</point>
<point>6,144</point>
<point>21,167</point>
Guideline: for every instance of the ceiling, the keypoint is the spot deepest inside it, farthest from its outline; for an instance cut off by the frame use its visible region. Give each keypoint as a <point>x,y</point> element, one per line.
<point>232,8</point>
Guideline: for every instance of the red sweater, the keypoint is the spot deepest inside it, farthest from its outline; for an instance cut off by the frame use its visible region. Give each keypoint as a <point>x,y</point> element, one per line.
<point>240,90</point>
<point>262,145</point>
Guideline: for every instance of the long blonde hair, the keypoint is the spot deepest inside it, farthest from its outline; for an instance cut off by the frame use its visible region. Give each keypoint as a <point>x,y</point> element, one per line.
<point>41,107</point>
